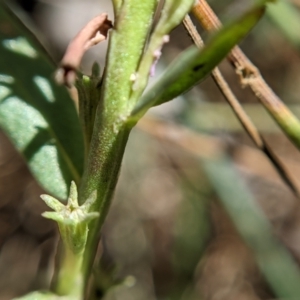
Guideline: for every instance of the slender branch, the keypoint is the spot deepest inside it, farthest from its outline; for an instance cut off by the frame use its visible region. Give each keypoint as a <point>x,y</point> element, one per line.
<point>250,76</point>
<point>245,120</point>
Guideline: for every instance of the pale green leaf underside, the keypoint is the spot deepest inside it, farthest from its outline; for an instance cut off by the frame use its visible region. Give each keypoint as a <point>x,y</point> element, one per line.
<point>38,116</point>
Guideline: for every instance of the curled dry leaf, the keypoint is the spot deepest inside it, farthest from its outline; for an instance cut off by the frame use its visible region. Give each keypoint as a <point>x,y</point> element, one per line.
<point>93,33</point>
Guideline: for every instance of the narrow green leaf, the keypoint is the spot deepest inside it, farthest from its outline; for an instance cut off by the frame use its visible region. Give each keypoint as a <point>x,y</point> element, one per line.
<point>172,14</point>
<point>275,262</point>
<point>37,115</point>
<point>193,65</point>
<point>89,93</point>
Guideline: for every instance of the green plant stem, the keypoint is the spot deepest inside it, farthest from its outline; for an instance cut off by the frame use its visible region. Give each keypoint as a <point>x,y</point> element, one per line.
<point>72,221</point>
<point>111,131</point>
<point>117,5</point>
<point>70,278</point>
<point>107,181</point>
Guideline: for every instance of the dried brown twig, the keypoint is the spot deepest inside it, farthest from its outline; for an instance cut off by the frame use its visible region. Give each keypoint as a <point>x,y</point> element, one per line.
<point>250,76</point>
<point>240,113</point>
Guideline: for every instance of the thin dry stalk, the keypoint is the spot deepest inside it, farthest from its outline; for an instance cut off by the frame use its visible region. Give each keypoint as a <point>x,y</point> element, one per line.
<point>241,114</point>
<point>250,76</point>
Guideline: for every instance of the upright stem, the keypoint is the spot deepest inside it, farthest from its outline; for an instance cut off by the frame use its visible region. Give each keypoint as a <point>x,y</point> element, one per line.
<point>110,132</point>
<point>72,220</point>
<point>106,181</point>
<point>70,278</point>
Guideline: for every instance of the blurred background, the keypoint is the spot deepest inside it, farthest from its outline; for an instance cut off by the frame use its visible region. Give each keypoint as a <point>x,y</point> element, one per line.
<point>167,236</point>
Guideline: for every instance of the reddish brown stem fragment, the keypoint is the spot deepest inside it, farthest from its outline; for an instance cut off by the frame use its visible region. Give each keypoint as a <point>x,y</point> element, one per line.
<point>93,33</point>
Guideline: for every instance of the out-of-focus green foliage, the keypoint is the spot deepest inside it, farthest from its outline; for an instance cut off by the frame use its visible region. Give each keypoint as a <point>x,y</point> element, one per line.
<point>219,116</point>
<point>275,262</point>
<point>286,17</point>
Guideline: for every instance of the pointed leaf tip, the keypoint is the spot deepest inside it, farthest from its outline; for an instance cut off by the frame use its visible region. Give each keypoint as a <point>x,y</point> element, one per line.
<point>53,203</point>
<point>73,195</point>
<point>90,201</point>
<point>53,216</point>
